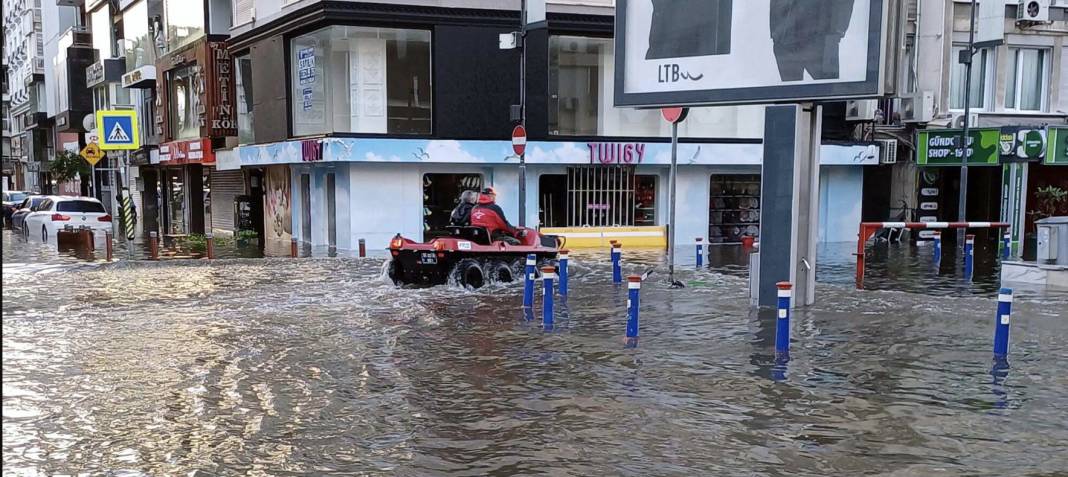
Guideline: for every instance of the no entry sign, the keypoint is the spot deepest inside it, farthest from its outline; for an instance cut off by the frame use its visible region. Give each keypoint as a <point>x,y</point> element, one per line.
<point>519,140</point>
<point>674,115</point>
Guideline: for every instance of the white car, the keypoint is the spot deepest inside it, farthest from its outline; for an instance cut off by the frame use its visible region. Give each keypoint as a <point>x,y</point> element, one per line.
<point>57,212</point>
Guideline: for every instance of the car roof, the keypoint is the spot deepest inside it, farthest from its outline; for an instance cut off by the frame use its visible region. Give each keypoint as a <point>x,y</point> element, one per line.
<point>67,198</point>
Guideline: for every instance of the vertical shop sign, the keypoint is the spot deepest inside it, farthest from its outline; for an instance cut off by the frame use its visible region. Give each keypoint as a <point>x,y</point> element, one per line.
<point>306,75</point>
<point>222,108</point>
<point>1057,146</point>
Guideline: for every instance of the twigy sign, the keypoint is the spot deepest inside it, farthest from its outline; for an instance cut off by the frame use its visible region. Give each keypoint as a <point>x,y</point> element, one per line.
<point>616,153</point>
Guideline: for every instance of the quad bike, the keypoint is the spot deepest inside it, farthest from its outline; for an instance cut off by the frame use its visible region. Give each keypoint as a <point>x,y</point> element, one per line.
<point>467,256</point>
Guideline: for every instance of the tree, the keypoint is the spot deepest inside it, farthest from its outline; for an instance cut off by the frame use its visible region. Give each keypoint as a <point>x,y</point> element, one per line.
<point>68,166</point>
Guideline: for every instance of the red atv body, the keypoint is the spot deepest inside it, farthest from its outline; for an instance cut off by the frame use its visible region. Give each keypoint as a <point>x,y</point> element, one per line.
<point>467,256</point>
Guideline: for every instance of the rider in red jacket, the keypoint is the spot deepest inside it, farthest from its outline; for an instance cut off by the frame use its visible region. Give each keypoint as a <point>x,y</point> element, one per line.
<point>489,215</point>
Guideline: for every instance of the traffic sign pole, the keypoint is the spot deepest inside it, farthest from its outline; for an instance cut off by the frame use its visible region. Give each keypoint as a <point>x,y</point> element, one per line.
<point>519,146</point>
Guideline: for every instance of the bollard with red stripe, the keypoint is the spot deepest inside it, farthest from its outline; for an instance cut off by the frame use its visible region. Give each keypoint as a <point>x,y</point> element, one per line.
<point>782,322</point>
<point>634,287</point>
<point>548,274</point>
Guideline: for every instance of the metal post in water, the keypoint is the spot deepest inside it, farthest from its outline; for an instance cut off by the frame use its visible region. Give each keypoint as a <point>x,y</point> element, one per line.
<point>671,203</point>
<point>782,323</point>
<point>617,269</point>
<point>937,247</point>
<point>528,284</point>
<point>634,286</point>
<point>108,245</point>
<point>363,248</point>
<point>700,252</point>
<point>547,292</point>
<point>969,256</point>
<point>293,248</point>
<point>1006,245</point>
<point>210,239</point>
<point>563,272</point>
<point>153,245</point>
<point>1001,325</point>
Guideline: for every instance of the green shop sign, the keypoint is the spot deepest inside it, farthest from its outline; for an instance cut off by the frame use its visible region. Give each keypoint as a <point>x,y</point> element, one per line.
<point>1022,144</point>
<point>1057,147</point>
<point>941,147</point>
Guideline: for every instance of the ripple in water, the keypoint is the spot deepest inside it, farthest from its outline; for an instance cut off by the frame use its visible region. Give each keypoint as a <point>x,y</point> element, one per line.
<point>320,367</point>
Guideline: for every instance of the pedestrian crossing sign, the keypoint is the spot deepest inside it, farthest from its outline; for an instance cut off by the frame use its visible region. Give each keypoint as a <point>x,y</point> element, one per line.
<point>117,129</point>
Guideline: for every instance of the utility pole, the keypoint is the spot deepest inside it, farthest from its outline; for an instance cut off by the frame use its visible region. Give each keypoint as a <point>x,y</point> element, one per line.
<point>523,110</point>
<point>966,58</point>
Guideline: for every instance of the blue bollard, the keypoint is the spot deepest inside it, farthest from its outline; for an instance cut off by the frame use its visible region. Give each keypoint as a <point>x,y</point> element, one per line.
<point>969,256</point>
<point>782,324</point>
<point>937,247</point>
<point>528,284</point>
<point>547,292</point>
<point>563,272</point>
<point>617,269</point>
<point>634,286</point>
<point>1001,325</point>
<point>1006,246</point>
<point>700,252</point>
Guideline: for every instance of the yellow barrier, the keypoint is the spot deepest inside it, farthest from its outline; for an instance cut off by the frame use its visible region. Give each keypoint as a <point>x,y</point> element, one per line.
<point>594,237</point>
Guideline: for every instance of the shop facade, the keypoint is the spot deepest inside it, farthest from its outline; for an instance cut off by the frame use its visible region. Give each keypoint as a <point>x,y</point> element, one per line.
<point>193,117</point>
<point>342,190</point>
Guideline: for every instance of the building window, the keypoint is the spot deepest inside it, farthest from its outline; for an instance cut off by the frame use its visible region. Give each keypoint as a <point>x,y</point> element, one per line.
<point>101,30</point>
<point>183,102</point>
<point>245,117</point>
<point>1028,82</point>
<point>581,89</point>
<point>183,23</point>
<point>982,78</point>
<point>361,80</point>
<point>138,44</point>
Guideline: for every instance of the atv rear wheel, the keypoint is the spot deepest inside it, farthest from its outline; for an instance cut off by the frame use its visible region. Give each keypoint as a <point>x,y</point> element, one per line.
<point>469,274</point>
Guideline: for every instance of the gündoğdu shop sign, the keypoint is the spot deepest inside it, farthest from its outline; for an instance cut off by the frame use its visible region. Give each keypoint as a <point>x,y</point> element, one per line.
<point>942,147</point>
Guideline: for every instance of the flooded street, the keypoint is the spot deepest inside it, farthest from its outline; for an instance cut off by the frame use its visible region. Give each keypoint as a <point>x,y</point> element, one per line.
<point>319,366</point>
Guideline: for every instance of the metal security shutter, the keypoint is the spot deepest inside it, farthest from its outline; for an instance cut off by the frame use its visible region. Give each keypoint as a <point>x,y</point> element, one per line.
<point>243,12</point>
<point>225,186</point>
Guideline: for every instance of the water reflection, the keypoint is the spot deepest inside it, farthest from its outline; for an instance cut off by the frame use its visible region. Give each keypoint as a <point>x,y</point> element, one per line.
<point>320,367</point>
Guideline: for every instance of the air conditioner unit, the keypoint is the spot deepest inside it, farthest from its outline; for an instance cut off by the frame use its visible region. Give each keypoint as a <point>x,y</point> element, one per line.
<point>889,151</point>
<point>918,108</point>
<point>1033,11</point>
<point>973,121</point>
<point>861,110</point>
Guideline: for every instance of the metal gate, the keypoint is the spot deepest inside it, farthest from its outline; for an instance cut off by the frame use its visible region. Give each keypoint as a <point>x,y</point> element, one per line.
<point>600,196</point>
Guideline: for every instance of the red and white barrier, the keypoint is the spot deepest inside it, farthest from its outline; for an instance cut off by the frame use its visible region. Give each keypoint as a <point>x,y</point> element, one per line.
<point>867,229</point>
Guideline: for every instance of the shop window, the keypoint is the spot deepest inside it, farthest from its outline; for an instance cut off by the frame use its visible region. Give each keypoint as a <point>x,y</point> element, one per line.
<point>175,203</point>
<point>1028,82</point>
<point>183,22</point>
<point>441,194</point>
<point>183,102</point>
<point>609,196</point>
<point>245,117</point>
<point>982,78</point>
<point>734,208</point>
<point>361,80</point>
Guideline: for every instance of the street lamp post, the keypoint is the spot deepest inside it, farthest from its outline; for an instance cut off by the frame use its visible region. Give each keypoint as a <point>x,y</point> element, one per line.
<point>966,58</point>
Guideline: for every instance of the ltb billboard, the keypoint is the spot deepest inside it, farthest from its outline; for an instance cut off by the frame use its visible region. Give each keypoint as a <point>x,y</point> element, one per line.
<point>706,52</point>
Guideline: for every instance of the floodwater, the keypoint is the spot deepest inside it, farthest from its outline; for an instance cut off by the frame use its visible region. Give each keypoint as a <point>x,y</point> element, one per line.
<point>318,366</point>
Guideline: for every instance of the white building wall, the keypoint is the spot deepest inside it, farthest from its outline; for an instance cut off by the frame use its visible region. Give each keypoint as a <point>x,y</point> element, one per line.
<point>55,20</point>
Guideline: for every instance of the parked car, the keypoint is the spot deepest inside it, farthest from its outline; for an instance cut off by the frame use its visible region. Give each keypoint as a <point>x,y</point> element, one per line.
<point>18,218</point>
<point>56,212</point>
<point>11,199</point>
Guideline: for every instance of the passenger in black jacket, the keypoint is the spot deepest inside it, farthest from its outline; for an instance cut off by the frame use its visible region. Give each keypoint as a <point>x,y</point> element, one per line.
<point>808,42</point>
<point>461,215</point>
